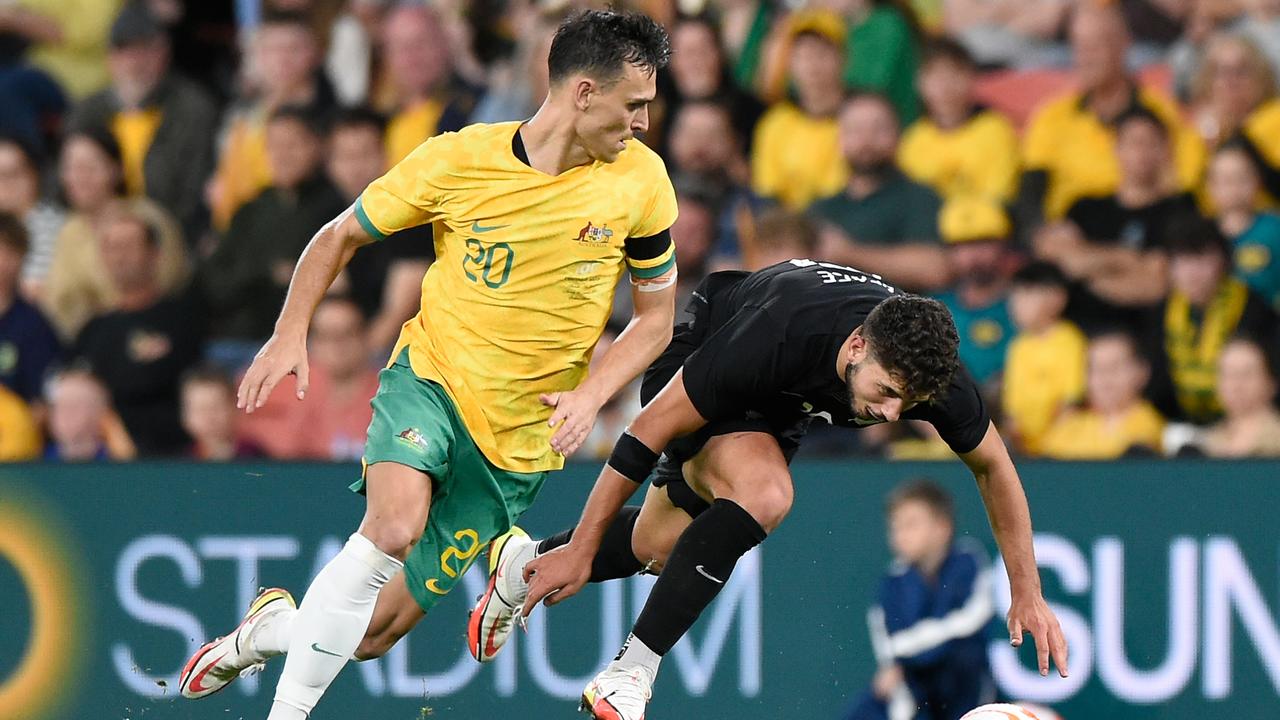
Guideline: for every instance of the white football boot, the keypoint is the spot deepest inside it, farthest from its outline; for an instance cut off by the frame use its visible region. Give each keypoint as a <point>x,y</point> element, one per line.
<point>222,660</point>
<point>494,616</point>
<point>618,693</point>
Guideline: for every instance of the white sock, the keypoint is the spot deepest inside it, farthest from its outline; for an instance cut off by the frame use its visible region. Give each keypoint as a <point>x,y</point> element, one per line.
<point>329,625</point>
<point>636,654</point>
<point>271,636</point>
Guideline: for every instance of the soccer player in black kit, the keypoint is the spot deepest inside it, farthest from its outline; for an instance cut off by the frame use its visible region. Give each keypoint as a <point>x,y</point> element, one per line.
<point>726,407</point>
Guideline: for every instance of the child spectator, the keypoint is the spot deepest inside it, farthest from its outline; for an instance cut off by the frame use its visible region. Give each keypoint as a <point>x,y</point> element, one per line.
<point>209,416</point>
<point>1044,371</point>
<point>1205,308</point>
<point>28,344</point>
<point>929,622</point>
<point>82,426</point>
<point>1115,420</point>
<point>960,147</point>
<point>1247,390</point>
<point>1234,186</point>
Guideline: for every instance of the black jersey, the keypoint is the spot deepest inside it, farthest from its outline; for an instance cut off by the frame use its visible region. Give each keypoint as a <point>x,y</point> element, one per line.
<point>766,344</point>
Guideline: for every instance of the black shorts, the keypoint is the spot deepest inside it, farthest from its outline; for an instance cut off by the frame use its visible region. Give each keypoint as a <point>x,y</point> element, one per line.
<point>687,338</point>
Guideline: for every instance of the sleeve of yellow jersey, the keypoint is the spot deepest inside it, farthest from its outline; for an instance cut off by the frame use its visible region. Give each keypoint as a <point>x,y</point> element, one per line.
<point>408,194</point>
<point>649,248</point>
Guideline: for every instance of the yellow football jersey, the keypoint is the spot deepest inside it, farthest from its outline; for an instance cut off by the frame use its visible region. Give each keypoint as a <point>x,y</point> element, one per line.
<point>525,271</point>
<point>1077,150</point>
<point>980,157</point>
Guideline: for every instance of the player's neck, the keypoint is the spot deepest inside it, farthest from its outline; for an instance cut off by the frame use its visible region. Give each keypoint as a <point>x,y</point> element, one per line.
<point>550,143</point>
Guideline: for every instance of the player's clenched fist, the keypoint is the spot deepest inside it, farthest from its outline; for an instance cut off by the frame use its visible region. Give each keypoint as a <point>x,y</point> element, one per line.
<point>281,356</point>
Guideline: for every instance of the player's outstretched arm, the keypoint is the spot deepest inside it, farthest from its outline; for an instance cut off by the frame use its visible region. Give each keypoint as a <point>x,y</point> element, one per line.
<point>285,353</point>
<point>559,574</point>
<point>1010,518</point>
<point>639,344</point>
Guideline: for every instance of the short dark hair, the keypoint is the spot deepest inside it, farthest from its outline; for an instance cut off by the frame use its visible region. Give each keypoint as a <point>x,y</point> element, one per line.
<point>926,492</point>
<point>287,17</point>
<point>208,374</point>
<point>30,154</point>
<point>776,225</point>
<point>1188,233</point>
<point>1124,335</point>
<point>360,116</point>
<point>601,43</point>
<point>915,340</point>
<point>945,49</point>
<point>864,95</point>
<point>1138,113</point>
<point>1040,273</point>
<point>13,233</point>
<point>302,115</point>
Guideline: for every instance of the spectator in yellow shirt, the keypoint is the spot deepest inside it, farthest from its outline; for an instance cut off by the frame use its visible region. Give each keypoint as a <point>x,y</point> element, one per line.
<point>1044,371</point>
<point>1247,388</point>
<point>796,155</point>
<point>1235,97</point>
<point>1069,147</point>
<point>1115,420</point>
<point>959,147</point>
<point>283,70</point>
<point>19,435</point>
<point>418,63</point>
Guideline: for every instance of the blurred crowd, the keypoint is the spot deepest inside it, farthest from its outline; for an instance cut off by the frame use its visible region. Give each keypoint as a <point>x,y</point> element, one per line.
<point>1089,185</point>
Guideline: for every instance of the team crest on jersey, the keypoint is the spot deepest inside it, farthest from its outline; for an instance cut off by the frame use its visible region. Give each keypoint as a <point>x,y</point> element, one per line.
<point>414,438</point>
<point>591,235</point>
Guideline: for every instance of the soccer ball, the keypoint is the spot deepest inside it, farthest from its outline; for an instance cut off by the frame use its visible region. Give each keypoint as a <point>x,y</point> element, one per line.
<point>1005,712</point>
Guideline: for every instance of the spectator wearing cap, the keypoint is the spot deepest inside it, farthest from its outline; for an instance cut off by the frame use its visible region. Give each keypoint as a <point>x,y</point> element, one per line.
<point>431,98</point>
<point>795,157</point>
<point>282,69</point>
<point>959,147</point>
<point>1044,369</point>
<point>20,185</point>
<point>1113,245</point>
<point>69,39</point>
<point>163,123</point>
<point>1234,185</point>
<point>246,277</point>
<point>977,233</point>
<point>1205,308</point>
<point>92,184</point>
<point>384,278</point>
<point>28,344</point>
<point>143,344</point>
<point>1069,145</point>
<point>31,103</point>
<point>881,221</point>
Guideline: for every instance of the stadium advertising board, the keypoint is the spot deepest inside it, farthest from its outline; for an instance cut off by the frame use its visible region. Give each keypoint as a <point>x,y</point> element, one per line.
<point>1166,577</point>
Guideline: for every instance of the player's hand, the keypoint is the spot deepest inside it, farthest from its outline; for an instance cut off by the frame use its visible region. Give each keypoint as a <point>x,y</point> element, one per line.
<point>575,413</point>
<point>555,576</point>
<point>1030,613</point>
<point>886,681</point>
<point>281,356</point>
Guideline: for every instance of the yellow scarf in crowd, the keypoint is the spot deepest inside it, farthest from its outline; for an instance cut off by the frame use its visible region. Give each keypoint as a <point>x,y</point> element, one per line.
<point>1193,348</point>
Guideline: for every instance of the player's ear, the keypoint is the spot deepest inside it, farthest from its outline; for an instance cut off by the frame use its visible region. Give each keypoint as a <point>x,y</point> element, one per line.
<point>583,90</point>
<point>857,346</point>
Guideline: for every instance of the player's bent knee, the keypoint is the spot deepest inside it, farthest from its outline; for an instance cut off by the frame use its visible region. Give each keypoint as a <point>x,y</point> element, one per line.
<point>374,646</point>
<point>768,503</point>
<point>393,538</point>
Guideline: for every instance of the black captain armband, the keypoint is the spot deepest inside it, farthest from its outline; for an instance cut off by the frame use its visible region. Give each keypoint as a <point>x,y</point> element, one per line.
<point>632,459</point>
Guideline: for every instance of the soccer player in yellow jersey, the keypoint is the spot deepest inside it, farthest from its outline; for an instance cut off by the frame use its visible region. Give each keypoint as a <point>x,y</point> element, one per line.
<point>487,388</point>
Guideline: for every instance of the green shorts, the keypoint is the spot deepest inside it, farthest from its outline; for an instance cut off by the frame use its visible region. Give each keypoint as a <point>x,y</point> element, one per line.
<point>473,501</point>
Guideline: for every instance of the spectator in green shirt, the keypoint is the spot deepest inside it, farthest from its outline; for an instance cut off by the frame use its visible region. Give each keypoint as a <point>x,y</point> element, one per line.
<point>1234,184</point>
